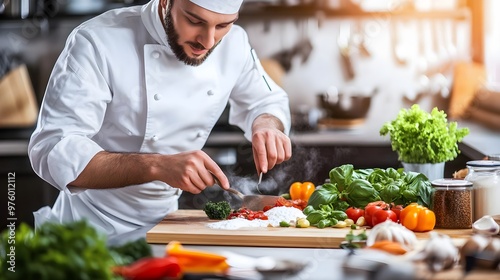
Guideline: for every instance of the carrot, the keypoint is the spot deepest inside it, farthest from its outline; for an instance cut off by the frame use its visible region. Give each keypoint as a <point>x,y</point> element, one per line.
<point>390,247</point>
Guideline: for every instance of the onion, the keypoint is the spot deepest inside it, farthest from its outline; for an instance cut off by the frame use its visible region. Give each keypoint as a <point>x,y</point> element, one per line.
<point>392,231</point>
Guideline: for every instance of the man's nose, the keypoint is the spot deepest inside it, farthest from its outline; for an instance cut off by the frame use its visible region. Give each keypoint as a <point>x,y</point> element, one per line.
<point>207,37</point>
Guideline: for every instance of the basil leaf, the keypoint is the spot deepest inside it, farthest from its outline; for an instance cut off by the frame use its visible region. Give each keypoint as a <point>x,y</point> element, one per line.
<point>324,195</point>
<point>360,192</point>
<point>342,176</point>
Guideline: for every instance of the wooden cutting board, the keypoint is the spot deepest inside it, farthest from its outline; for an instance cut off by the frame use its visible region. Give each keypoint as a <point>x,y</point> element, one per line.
<point>189,227</point>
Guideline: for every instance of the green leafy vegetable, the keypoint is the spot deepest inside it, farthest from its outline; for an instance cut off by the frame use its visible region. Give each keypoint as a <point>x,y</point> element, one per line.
<point>284,224</point>
<point>217,210</point>
<point>131,251</point>
<point>57,251</point>
<point>342,176</point>
<point>323,195</point>
<point>421,137</point>
<point>360,192</point>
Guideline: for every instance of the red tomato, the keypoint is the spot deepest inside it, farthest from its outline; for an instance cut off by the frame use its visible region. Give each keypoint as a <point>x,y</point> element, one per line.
<point>371,208</point>
<point>354,213</point>
<point>397,209</point>
<point>383,215</point>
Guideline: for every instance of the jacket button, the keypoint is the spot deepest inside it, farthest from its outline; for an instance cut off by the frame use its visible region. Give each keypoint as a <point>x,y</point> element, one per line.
<point>157,97</point>
<point>210,92</point>
<point>156,55</point>
<point>154,138</point>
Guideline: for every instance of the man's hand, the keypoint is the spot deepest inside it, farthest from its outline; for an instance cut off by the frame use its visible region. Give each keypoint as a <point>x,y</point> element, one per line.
<point>189,171</point>
<point>269,143</point>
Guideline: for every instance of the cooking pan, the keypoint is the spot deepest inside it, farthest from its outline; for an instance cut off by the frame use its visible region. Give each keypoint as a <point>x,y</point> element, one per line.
<point>253,202</point>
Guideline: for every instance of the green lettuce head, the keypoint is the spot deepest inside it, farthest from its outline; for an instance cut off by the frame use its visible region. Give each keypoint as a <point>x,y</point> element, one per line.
<point>421,137</point>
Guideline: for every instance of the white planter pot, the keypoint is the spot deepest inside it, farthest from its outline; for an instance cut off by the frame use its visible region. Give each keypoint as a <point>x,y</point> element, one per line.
<point>433,171</point>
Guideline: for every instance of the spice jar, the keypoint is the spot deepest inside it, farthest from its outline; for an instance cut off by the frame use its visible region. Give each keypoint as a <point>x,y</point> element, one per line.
<point>453,203</point>
<point>485,177</point>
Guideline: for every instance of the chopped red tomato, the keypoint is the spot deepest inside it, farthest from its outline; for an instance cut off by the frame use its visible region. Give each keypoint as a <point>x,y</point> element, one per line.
<point>248,214</point>
<point>297,203</point>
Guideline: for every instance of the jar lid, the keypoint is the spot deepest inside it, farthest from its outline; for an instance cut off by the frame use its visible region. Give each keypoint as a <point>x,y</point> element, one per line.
<point>451,183</point>
<point>484,163</point>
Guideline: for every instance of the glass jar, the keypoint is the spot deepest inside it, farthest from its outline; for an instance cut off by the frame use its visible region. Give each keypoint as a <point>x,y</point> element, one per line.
<point>452,203</point>
<point>485,177</point>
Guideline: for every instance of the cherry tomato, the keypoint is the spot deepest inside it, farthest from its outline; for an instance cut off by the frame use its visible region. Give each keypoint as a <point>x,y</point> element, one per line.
<point>371,208</point>
<point>383,215</point>
<point>397,209</point>
<point>354,213</point>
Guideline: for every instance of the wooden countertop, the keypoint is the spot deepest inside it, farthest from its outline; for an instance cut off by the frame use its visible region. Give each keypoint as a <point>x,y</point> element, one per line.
<point>190,227</point>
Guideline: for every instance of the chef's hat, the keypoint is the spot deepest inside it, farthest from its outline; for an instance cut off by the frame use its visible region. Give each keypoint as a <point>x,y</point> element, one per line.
<point>220,6</point>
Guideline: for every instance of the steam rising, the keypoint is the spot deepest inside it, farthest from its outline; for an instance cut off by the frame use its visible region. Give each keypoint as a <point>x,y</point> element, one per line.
<point>303,166</point>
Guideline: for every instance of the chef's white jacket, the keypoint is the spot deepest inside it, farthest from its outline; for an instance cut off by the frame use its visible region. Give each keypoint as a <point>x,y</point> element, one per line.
<point>118,87</point>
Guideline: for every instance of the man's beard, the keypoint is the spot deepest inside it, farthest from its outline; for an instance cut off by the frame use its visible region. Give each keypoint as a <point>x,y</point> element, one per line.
<point>173,38</point>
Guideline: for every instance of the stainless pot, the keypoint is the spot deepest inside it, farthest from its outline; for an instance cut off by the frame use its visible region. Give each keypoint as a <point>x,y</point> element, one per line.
<point>19,8</point>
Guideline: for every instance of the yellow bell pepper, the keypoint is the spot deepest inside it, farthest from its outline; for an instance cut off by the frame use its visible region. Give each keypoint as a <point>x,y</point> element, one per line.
<point>417,218</point>
<point>299,190</point>
<point>194,261</point>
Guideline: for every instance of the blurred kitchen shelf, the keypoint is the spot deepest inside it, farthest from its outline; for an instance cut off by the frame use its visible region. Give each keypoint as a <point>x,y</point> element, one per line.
<point>273,12</point>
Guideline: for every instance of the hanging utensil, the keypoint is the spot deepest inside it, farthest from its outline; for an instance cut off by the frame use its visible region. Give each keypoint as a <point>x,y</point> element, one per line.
<point>344,45</point>
<point>399,51</point>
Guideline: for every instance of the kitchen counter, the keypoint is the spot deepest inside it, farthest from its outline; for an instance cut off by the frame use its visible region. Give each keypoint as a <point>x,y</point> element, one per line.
<point>317,248</point>
<point>335,264</point>
<point>479,143</point>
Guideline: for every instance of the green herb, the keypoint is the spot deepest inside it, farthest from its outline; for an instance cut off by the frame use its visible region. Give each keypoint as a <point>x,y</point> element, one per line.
<point>57,251</point>
<point>360,192</point>
<point>350,237</point>
<point>217,210</point>
<point>286,196</point>
<point>355,241</point>
<point>284,224</point>
<point>362,186</point>
<point>421,137</point>
<point>323,195</point>
<point>131,251</point>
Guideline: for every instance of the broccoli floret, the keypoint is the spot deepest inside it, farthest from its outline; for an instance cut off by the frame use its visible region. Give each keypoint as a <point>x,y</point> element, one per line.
<point>217,210</point>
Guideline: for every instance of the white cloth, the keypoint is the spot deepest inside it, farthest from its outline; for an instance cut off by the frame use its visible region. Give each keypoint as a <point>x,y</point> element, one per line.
<point>220,6</point>
<point>117,86</point>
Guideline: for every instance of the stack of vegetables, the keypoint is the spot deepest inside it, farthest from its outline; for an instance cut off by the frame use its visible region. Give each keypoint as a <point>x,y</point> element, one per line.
<point>372,196</point>
<point>77,251</point>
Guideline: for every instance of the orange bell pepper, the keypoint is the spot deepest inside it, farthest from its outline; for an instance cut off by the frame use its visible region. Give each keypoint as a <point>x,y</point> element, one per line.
<point>194,261</point>
<point>299,190</point>
<point>417,218</point>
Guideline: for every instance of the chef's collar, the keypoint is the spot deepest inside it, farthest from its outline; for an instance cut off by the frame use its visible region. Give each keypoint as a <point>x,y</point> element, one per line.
<point>220,6</point>
<point>153,23</point>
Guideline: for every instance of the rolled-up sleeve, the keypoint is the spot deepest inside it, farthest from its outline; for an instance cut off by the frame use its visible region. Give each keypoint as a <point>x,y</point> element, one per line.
<point>255,93</point>
<point>72,112</point>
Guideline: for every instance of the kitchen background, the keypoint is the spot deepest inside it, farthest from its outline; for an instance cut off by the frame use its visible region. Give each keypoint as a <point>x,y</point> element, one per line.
<point>370,57</point>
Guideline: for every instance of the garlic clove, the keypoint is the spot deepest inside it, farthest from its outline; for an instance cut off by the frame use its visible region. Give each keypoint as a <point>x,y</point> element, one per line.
<point>473,246</point>
<point>486,225</point>
<point>439,252</point>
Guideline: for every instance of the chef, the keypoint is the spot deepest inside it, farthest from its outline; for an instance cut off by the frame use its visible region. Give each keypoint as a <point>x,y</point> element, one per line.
<point>130,103</point>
